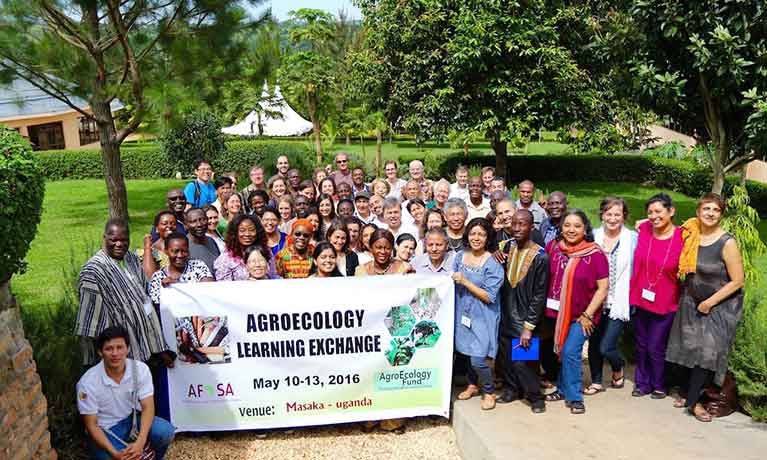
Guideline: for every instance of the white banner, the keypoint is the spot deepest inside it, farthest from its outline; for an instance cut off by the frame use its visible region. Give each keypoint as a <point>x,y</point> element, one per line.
<point>283,353</point>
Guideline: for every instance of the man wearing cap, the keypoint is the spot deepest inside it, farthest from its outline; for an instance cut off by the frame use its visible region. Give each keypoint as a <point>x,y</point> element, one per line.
<point>362,205</point>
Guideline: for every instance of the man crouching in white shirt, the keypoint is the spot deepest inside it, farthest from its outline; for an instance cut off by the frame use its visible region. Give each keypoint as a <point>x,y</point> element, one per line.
<point>107,395</point>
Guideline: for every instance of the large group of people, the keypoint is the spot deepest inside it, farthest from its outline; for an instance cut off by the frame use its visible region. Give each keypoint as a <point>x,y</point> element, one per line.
<point>528,274</point>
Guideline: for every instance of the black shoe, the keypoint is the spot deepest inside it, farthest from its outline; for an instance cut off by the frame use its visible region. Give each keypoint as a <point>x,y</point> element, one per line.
<point>506,397</point>
<point>577,407</point>
<point>539,407</point>
<point>657,394</point>
<point>637,393</point>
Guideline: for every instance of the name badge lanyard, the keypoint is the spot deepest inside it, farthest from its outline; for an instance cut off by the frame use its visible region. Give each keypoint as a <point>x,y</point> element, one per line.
<point>552,302</point>
<point>649,292</point>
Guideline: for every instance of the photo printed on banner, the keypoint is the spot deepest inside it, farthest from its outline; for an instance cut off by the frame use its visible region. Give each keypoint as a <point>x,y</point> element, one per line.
<point>202,339</point>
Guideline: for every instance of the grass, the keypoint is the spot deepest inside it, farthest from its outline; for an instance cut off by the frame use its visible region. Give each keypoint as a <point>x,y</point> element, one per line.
<point>74,213</point>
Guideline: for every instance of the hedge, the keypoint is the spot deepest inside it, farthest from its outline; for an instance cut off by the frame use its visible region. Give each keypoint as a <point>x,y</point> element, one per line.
<point>677,175</point>
<point>149,161</point>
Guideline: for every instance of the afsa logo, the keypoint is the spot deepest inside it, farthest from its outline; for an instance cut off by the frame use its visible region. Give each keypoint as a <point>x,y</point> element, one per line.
<point>206,391</point>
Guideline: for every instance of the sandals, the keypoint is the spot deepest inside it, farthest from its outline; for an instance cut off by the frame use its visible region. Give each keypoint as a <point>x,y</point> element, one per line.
<point>657,394</point>
<point>619,382</point>
<point>593,389</point>
<point>470,392</point>
<point>679,403</point>
<point>556,396</point>
<point>703,416</point>
<point>488,401</point>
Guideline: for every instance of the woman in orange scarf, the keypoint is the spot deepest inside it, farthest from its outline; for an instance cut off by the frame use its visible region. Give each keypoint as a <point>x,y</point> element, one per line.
<point>578,286</point>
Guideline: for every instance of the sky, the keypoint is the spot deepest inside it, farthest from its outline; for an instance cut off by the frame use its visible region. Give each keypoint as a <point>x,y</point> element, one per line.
<point>280,8</point>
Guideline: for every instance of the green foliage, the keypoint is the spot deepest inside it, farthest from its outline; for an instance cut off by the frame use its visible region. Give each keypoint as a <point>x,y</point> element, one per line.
<point>700,63</point>
<point>198,136</point>
<point>742,221</point>
<point>21,194</point>
<point>503,69</point>
<point>748,358</point>
<point>59,361</point>
<point>674,150</point>
<point>149,161</point>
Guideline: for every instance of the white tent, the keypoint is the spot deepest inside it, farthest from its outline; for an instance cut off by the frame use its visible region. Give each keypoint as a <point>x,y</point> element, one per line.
<point>275,118</point>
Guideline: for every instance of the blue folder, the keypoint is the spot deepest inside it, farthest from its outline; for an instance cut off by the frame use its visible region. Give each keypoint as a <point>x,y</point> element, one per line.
<point>521,354</point>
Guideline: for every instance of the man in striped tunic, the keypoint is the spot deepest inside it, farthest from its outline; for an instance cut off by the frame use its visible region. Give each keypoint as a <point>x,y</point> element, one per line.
<point>112,288</point>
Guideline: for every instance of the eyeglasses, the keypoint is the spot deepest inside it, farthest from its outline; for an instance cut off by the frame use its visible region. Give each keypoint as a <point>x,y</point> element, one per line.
<point>342,161</point>
<point>176,198</point>
<point>302,235</point>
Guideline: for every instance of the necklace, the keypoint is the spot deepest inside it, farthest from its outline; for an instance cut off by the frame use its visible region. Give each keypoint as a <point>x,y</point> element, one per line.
<point>652,284</point>
<point>384,271</point>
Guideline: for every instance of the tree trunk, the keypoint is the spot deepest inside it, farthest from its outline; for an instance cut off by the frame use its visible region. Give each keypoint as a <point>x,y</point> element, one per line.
<point>717,133</point>
<point>500,147</point>
<point>110,153</point>
<point>362,143</point>
<point>348,139</point>
<point>379,141</point>
<point>718,169</point>
<point>466,150</point>
<point>312,101</point>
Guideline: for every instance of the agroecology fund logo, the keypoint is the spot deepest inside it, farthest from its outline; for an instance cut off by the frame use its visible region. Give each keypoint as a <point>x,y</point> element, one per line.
<point>206,392</point>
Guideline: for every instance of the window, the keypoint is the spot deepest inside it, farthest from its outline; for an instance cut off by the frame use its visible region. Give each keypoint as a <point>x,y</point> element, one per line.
<point>89,132</point>
<point>49,136</point>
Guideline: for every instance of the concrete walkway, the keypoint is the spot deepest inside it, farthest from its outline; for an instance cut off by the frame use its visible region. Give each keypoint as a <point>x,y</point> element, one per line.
<point>616,426</point>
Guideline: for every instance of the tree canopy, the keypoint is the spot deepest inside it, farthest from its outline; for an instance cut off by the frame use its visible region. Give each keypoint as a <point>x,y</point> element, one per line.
<point>146,53</point>
<point>500,68</point>
<point>703,64</point>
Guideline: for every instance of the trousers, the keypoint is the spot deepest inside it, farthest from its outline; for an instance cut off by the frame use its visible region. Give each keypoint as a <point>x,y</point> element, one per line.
<point>518,376</point>
<point>603,344</point>
<point>479,373</point>
<point>160,436</point>
<point>651,331</point>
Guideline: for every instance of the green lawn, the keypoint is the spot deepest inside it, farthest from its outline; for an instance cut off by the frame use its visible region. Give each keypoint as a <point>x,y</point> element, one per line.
<point>75,212</point>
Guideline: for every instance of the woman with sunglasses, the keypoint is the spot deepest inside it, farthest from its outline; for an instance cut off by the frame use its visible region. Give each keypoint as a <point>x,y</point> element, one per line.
<point>295,260</point>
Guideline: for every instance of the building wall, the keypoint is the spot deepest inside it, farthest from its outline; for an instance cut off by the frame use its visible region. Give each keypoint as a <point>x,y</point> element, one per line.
<point>23,408</point>
<point>69,121</point>
<point>757,170</point>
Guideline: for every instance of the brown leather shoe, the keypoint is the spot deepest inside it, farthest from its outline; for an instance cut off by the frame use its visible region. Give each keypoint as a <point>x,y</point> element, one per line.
<point>470,392</point>
<point>488,401</point>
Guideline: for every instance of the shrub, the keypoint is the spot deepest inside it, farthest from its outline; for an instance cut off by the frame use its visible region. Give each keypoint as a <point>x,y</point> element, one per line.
<point>21,194</point>
<point>748,358</point>
<point>197,136</point>
<point>149,161</point>
<point>59,361</point>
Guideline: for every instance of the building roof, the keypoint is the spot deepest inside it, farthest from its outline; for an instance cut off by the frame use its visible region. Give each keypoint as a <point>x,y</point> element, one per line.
<point>20,99</point>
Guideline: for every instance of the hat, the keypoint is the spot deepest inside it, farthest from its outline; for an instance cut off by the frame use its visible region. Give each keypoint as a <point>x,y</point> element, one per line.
<point>362,194</point>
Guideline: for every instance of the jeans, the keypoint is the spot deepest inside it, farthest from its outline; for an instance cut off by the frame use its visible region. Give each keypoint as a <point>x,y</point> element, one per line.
<point>160,436</point>
<point>480,374</point>
<point>603,343</point>
<point>651,331</point>
<point>570,382</point>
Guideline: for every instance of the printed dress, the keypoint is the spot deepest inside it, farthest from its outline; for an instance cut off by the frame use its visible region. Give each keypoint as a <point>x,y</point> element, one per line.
<point>476,323</point>
<point>705,340</point>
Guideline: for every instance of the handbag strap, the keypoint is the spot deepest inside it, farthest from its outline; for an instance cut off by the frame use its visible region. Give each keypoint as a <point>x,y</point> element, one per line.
<point>134,425</point>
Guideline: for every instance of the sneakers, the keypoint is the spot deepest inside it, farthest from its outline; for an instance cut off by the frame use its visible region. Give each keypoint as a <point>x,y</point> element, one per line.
<point>507,396</point>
